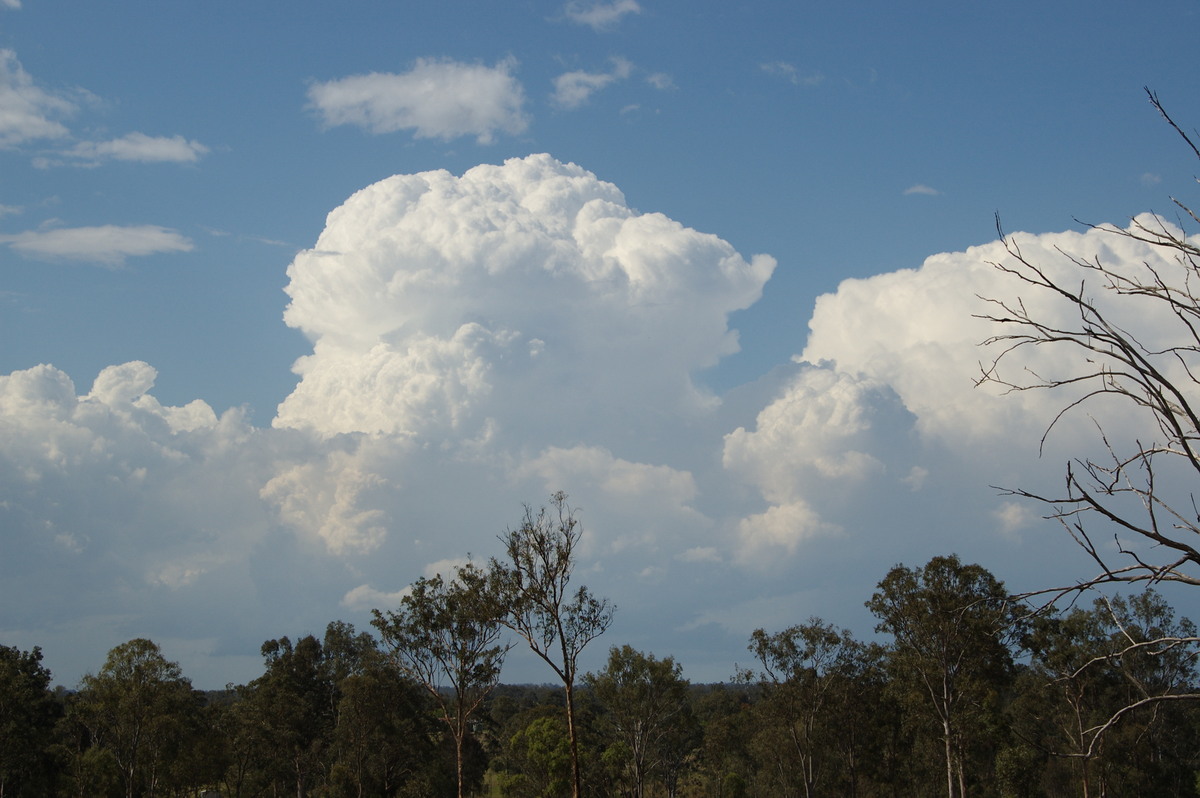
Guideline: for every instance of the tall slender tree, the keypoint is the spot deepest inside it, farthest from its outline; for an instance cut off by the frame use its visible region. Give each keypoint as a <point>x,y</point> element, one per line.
<point>950,624</point>
<point>532,583</point>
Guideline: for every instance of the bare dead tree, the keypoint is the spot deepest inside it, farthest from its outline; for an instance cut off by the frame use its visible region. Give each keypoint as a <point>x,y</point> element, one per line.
<point>1141,493</point>
<point>1156,381</point>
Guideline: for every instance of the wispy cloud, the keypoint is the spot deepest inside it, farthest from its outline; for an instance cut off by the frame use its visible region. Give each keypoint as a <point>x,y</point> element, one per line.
<point>139,147</point>
<point>792,74</point>
<point>599,15</point>
<point>573,89</point>
<point>661,81</point>
<point>13,4</point>
<point>27,112</point>
<point>921,189</point>
<point>106,244</point>
<point>440,99</point>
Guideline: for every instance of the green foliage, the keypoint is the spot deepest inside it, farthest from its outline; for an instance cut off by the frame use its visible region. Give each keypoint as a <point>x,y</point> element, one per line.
<point>950,660</point>
<point>448,634</point>
<point>142,710</point>
<point>28,713</point>
<point>647,717</point>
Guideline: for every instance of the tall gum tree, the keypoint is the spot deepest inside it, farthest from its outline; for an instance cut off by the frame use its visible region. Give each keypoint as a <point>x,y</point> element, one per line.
<point>533,586</point>
<point>949,623</point>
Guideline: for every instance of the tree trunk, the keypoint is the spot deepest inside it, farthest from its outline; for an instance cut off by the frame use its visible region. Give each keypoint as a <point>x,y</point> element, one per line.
<point>573,736</point>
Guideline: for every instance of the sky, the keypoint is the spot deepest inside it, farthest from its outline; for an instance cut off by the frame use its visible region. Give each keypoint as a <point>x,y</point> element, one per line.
<point>301,301</point>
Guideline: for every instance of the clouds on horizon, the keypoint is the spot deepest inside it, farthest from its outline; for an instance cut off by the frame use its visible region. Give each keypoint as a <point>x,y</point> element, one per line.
<point>484,339</point>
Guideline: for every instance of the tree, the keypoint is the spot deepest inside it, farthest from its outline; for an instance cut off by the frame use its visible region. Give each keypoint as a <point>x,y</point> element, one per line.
<point>1134,492</point>
<point>291,708</point>
<point>27,717</point>
<point>532,583</point>
<point>647,705</point>
<point>449,634</point>
<point>1085,666</point>
<point>1141,491</point>
<point>141,708</point>
<point>805,674</point>
<point>385,740</point>
<point>948,622</point>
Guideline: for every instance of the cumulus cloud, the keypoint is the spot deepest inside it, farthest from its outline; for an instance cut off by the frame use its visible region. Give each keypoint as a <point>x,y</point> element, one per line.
<point>448,308</point>
<point>112,488</point>
<point>910,330</point>
<point>28,112</point>
<point>763,537</point>
<point>106,244</point>
<point>139,147</point>
<point>480,340</point>
<point>573,89</point>
<point>600,15</point>
<point>439,99</point>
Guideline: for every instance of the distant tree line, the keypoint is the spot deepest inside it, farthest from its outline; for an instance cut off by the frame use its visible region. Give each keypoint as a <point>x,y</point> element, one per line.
<point>961,694</point>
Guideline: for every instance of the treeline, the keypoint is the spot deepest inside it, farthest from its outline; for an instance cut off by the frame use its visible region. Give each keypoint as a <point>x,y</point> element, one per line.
<point>962,694</point>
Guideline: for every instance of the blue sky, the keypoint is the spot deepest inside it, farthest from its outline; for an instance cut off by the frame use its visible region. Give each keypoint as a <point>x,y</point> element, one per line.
<point>162,167</point>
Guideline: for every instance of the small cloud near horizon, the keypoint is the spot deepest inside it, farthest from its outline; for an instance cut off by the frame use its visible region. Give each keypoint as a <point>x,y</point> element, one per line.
<point>923,190</point>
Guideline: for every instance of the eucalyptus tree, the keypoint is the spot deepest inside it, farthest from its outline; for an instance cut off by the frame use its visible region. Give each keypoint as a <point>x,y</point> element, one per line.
<point>647,711</point>
<point>291,707</point>
<point>950,624</point>
<point>141,709</point>
<point>447,635</point>
<point>532,585</point>
<point>806,676</point>
<point>27,716</point>
<point>1093,695</point>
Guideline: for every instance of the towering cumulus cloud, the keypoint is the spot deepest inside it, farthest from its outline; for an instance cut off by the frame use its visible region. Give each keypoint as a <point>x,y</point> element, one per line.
<point>507,302</point>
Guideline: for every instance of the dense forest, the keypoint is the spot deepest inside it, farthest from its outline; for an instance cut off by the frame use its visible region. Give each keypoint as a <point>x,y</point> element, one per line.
<point>960,693</point>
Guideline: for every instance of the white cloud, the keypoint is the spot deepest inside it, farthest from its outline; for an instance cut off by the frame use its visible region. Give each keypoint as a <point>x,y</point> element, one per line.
<point>600,15</point>
<point>365,597</point>
<point>140,147</point>
<point>1013,516</point>
<point>13,4</point>
<point>921,189</point>
<point>440,99</point>
<point>791,73</point>
<point>915,332</point>
<point>764,537</point>
<point>819,429</point>
<point>107,244</point>
<point>332,499</point>
<point>27,112</point>
<point>573,89</point>
<point>661,81</point>
<point>449,309</point>
<point>700,554</point>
